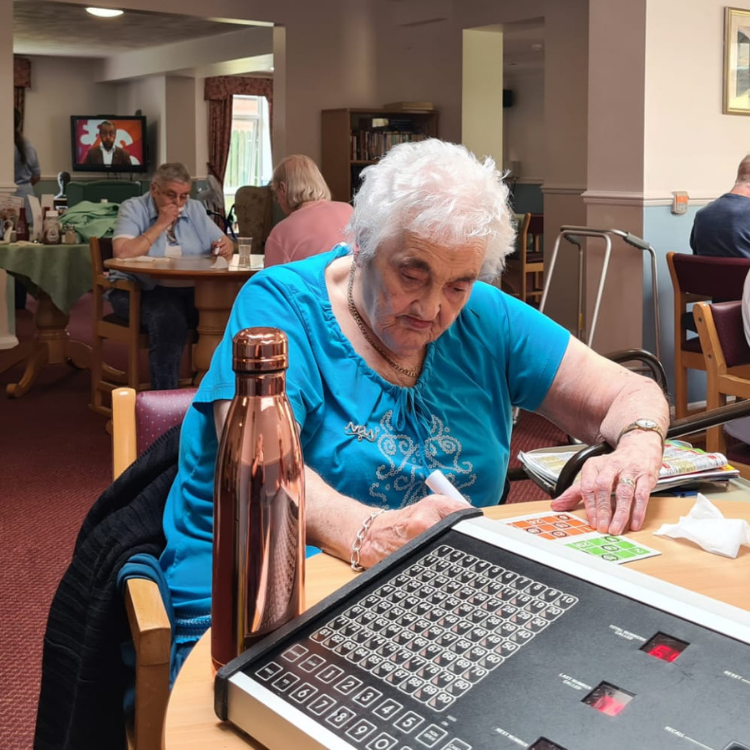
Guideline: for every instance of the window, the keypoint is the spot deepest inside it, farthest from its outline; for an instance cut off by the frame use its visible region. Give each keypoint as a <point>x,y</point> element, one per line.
<point>249,161</point>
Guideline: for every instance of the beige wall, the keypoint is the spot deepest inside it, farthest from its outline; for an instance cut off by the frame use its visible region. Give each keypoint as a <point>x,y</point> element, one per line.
<point>690,144</point>
<point>149,96</point>
<point>525,130</point>
<point>61,87</point>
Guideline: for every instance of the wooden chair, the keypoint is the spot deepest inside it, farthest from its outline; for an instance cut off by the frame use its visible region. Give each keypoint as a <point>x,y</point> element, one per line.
<point>104,377</point>
<point>527,260</point>
<point>698,278</point>
<point>138,419</point>
<point>725,347</point>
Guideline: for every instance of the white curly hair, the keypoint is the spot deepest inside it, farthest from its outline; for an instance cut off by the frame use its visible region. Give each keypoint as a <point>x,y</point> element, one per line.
<point>438,191</point>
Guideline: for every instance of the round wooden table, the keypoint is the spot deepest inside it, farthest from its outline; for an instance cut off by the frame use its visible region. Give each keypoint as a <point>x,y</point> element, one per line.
<point>192,723</point>
<point>215,291</point>
<point>57,275</point>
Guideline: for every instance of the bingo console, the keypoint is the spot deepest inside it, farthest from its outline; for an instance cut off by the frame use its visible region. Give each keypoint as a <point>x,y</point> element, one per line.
<point>477,636</point>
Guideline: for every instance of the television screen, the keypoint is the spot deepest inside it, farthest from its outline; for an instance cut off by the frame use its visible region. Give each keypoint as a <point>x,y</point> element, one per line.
<point>108,144</point>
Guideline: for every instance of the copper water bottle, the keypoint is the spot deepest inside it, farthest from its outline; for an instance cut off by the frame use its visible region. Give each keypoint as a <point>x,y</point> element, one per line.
<point>259,501</point>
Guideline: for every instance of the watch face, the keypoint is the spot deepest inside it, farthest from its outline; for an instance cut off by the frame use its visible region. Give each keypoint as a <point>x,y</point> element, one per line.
<point>647,424</point>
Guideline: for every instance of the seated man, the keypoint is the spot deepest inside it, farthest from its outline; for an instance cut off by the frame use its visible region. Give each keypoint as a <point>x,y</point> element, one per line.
<point>165,223</point>
<point>314,222</point>
<point>107,152</point>
<point>722,228</point>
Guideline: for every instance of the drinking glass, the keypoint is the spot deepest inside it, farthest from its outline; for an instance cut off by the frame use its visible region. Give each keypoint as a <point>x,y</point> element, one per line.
<point>245,247</point>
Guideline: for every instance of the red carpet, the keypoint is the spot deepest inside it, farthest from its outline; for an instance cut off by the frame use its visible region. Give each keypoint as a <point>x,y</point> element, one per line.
<point>56,459</point>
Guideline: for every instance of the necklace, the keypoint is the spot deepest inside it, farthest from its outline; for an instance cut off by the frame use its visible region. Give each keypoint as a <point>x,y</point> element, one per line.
<point>362,327</point>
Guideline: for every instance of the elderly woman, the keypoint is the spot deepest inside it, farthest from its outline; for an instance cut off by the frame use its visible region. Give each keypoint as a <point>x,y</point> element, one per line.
<point>314,223</point>
<point>402,361</point>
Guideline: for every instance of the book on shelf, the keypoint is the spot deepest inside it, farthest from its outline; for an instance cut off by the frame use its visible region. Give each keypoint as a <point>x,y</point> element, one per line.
<point>423,106</point>
<point>682,464</point>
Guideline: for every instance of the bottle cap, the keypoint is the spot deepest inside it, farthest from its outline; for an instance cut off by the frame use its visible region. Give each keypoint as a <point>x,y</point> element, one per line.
<point>260,350</point>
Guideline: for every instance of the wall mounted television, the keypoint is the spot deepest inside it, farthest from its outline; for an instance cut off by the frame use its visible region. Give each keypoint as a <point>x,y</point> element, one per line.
<point>108,144</point>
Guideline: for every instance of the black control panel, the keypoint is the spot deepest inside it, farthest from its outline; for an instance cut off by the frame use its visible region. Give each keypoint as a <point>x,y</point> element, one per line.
<point>464,645</point>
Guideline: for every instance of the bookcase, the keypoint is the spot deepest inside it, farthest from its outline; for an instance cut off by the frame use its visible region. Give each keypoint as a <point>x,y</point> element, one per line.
<point>354,138</point>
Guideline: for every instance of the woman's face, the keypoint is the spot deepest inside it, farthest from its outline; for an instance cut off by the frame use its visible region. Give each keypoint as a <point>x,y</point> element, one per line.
<point>414,288</point>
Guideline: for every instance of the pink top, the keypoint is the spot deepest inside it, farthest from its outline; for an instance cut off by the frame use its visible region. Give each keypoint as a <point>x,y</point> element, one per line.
<point>313,228</point>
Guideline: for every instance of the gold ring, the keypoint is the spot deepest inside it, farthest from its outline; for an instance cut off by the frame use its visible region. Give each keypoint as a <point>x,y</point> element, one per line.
<point>627,480</point>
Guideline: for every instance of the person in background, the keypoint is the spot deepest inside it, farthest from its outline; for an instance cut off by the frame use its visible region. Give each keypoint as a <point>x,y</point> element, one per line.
<point>402,361</point>
<point>26,174</point>
<point>107,152</point>
<point>722,228</point>
<point>314,223</point>
<point>165,223</point>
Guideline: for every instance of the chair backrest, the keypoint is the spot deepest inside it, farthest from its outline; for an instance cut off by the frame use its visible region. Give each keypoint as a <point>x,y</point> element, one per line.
<point>114,191</point>
<point>101,250</point>
<point>721,279</point>
<point>138,419</point>
<point>536,231</point>
<point>157,411</point>
<point>254,209</point>
<point>730,333</point>
<point>522,234</point>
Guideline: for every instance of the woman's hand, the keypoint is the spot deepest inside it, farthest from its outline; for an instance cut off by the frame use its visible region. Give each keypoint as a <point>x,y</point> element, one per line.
<point>223,248</point>
<point>392,529</point>
<point>623,479</point>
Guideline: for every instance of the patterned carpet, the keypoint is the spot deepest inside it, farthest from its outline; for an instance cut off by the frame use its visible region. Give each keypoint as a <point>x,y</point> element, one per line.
<point>56,459</point>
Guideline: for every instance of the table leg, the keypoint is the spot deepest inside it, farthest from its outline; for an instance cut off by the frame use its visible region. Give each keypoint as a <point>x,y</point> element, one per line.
<point>52,345</point>
<point>213,299</point>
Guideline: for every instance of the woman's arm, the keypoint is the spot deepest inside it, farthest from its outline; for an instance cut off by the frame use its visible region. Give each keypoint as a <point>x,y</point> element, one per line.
<point>333,519</point>
<point>595,399</point>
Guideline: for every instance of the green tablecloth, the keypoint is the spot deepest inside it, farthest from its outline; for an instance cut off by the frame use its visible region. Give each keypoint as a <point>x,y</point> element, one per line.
<point>62,271</point>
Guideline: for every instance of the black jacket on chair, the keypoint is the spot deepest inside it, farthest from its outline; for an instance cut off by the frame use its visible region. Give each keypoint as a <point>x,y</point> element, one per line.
<point>83,677</point>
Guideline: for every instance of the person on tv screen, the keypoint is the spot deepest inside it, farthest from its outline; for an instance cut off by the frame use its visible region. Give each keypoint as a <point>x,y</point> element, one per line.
<point>107,153</point>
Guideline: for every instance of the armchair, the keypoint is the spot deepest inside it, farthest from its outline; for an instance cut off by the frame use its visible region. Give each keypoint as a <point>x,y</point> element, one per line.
<point>138,419</point>
<point>254,209</point>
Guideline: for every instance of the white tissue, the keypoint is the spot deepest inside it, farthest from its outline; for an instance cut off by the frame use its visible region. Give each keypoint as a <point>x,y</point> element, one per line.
<point>706,526</point>
<point>220,262</point>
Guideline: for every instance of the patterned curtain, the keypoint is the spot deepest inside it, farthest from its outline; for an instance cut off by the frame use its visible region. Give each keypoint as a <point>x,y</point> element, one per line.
<point>218,92</point>
<point>21,82</point>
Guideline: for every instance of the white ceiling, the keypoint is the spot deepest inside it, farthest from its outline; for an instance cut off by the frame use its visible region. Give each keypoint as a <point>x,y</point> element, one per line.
<point>41,27</point>
<point>67,30</point>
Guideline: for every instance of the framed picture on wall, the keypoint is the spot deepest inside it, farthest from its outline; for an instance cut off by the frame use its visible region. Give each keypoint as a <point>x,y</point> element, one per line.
<point>736,61</point>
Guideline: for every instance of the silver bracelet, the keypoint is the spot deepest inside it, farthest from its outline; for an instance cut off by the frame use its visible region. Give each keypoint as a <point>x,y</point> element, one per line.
<point>357,543</point>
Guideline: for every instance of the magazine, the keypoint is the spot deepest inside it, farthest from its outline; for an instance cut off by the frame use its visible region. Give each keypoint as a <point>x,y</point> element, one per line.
<point>682,463</point>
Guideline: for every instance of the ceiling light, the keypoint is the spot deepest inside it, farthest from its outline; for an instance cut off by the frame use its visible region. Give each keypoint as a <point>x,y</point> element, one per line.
<point>104,12</point>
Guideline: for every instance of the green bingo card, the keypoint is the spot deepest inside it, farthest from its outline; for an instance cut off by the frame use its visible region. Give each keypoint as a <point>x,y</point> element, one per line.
<point>617,549</point>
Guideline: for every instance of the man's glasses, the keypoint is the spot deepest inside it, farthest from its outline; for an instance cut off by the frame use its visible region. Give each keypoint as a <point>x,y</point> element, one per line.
<point>179,197</point>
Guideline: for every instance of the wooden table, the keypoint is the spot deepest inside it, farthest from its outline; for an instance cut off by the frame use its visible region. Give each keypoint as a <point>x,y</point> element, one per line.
<point>215,291</point>
<point>57,275</point>
<point>192,723</point>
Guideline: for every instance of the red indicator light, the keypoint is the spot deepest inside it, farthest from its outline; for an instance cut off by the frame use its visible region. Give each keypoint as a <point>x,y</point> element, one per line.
<point>665,653</point>
<point>664,647</point>
<point>609,705</point>
<point>608,699</point>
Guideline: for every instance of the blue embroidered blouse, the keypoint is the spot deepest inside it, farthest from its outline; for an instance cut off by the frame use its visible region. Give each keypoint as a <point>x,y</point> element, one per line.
<point>370,439</point>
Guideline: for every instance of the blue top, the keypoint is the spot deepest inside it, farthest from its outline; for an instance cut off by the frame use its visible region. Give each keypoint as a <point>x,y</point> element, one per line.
<point>722,228</point>
<point>24,172</point>
<point>368,438</point>
<point>194,231</point>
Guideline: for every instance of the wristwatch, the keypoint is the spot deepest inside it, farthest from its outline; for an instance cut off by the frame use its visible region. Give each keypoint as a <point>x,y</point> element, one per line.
<point>647,425</point>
